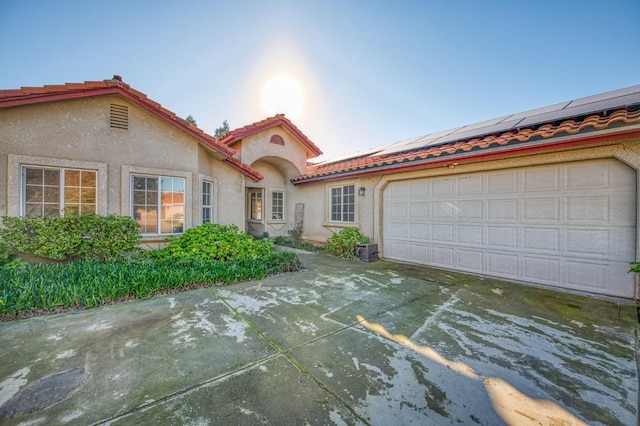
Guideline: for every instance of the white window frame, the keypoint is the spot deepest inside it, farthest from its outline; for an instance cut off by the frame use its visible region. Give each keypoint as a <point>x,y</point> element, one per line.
<point>273,205</point>
<point>331,194</point>
<point>160,218</point>
<point>207,206</point>
<point>255,194</point>
<point>127,194</point>
<point>15,184</point>
<point>62,188</point>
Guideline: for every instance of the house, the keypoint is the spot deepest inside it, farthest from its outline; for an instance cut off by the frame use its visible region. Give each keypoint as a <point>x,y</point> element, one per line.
<point>548,196</point>
<point>107,148</point>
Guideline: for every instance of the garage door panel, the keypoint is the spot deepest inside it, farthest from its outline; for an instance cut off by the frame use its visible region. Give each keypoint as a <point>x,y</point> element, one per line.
<point>470,234</point>
<point>543,179</point>
<point>542,270</point>
<point>442,187</point>
<point>541,209</point>
<point>442,210</point>
<point>419,253</point>
<point>398,229</point>
<point>418,210</point>
<point>396,250</point>
<point>592,275</point>
<point>503,265</point>
<point>502,236</point>
<point>442,256</point>
<point>593,242</point>
<point>470,260</point>
<point>569,225</point>
<point>588,209</point>
<point>541,239</point>
<point>418,190</point>
<point>502,183</point>
<point>418,231</point>
<point>622,207</point>
<point>442,233</point>
<point>398,211</point>
<point>470,209</point>
<point>587,176</point>
<point>502,209</point>
<point>470,185</point>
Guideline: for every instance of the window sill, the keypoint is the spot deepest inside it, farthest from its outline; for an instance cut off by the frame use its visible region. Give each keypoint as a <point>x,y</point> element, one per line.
<point>341,225</point>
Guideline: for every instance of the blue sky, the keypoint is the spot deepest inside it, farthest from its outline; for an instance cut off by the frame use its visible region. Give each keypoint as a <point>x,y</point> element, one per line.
<point>372,72</point>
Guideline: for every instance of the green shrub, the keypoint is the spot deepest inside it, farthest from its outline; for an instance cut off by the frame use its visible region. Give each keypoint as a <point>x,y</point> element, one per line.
<point>301,245</point>
<point>86,283</point>
<point>71,237</point>
<point>343,244</point>
<point>8,259</point>
<point>214,242</point>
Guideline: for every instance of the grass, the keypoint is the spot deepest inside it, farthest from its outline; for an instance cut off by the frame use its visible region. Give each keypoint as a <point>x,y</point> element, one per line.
<point>40,289</point>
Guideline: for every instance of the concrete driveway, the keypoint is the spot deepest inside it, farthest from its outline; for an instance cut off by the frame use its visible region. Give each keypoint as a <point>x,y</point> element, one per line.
<point>340,343</point>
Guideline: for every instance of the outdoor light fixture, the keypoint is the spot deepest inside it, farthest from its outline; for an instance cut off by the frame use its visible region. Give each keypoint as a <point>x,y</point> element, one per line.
<point>361,191</point>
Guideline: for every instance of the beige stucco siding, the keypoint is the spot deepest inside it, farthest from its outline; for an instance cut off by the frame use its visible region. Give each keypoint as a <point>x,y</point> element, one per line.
<point>76,133</point>
<point>258,146</point>
<point>228,189</point>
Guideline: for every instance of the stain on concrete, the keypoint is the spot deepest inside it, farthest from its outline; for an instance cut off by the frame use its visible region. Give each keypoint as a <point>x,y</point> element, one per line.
<point>46,392</point>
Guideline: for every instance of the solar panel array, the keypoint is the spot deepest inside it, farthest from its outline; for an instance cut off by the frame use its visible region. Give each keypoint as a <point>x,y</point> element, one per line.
<point>561,111</point>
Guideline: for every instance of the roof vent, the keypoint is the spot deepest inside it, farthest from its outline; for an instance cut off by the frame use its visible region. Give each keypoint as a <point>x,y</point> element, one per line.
<point>119,117</point>
<point>117,77</point>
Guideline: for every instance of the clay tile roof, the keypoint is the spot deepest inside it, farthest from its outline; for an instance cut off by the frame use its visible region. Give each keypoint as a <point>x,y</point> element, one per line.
<point>115,86</point>
<point>436,155</point>
<point>237,135</point>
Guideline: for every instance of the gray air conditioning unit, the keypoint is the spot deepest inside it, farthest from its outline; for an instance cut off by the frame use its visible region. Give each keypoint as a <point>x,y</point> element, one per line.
<point>367,252</point>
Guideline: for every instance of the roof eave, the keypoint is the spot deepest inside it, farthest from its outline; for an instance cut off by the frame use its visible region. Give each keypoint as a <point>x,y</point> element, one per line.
<point>541,146</point>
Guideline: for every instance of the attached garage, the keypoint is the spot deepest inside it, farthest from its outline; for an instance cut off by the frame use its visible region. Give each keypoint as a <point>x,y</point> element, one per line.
<point>570,225</point>
<point>547,196</point>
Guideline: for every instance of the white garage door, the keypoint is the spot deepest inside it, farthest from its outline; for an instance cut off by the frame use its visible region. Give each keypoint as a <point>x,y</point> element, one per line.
<point>570,225</point>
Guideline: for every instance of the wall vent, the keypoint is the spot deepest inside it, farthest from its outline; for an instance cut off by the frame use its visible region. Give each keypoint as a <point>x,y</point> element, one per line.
<point>277,139</point>
<point>119,117</point>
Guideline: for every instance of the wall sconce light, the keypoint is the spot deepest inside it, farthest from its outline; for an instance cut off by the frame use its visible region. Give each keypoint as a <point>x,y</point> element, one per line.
<point>361,191</point>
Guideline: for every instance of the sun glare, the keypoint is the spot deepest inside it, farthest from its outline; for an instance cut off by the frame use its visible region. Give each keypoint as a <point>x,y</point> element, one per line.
<point>283,94</point>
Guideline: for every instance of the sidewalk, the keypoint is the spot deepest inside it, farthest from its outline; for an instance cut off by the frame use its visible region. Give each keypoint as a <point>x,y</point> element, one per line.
<point>345,343</point>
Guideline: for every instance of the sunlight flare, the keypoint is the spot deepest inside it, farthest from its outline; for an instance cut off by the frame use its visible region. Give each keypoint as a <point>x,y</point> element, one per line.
<point>283,94</point>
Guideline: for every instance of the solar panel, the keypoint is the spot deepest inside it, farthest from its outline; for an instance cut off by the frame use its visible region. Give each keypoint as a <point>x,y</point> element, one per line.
<point>560,111</point>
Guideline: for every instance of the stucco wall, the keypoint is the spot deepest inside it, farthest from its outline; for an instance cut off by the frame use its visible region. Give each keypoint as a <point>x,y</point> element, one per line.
<point>257,146</point>
<point>77,133</point>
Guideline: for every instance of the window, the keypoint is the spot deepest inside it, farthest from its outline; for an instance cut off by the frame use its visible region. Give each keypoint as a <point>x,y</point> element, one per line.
<point>158,204</point>
<point>255,204</point>
<point>207,207</point>
<point>343,203</point>
<point>277,205</point>
<point>58,191</point>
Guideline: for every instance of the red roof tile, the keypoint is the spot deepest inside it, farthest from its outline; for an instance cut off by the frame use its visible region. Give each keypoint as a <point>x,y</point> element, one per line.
<point>115,86</point>
<point>237,135</point>
<point>523,138</point>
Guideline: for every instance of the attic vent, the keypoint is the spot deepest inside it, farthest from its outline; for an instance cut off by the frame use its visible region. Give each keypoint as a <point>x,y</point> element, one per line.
<point>277,139</point>
<point>119,118</point>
